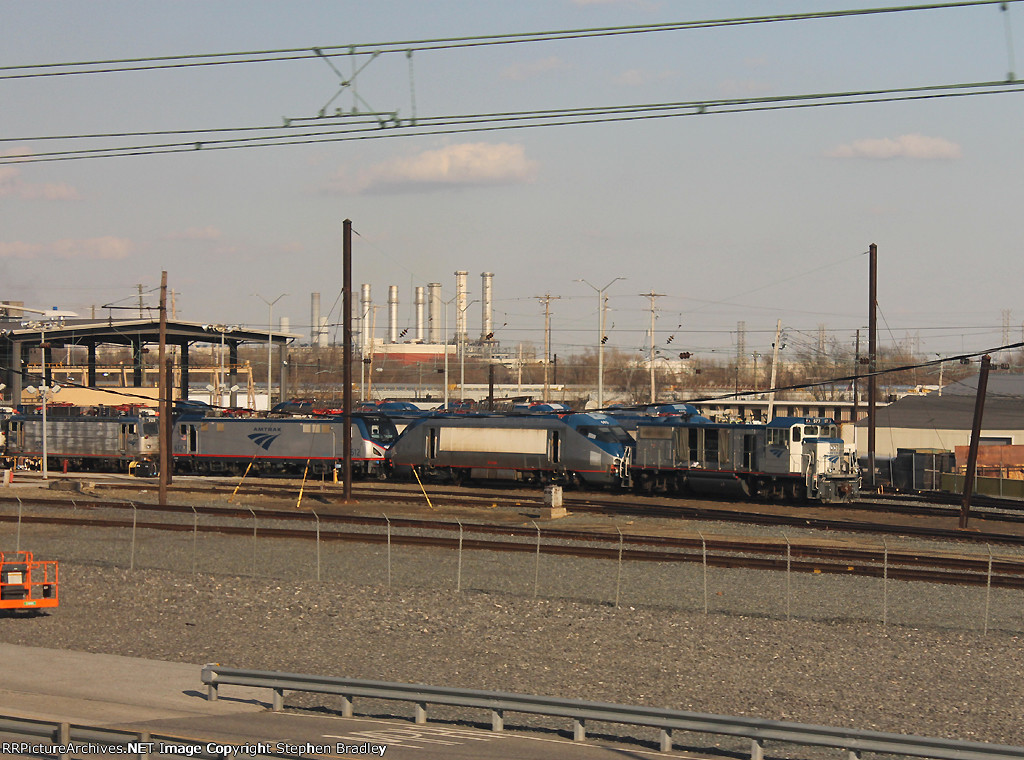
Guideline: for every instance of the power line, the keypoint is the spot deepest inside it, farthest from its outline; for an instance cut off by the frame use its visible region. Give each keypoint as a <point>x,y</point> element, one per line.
<point>363,130</point>
<point>118,65</point>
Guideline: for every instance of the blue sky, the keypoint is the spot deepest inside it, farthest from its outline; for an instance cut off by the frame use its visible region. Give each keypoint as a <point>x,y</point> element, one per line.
<point>753,217</point>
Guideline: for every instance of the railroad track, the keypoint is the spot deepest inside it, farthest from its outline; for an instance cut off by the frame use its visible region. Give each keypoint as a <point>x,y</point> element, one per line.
<point>799,556</point>
<point>990,526</point>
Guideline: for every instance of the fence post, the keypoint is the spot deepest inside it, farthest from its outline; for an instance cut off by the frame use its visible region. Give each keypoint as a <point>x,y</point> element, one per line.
<point>618,572</point>
<point>988,587</point>
<point>789,564</point>
<point>885,583</point>
<point>389,549</point>
<point>17,541</point>
<point>317,518</point>
<point>195,536</point>
<point>458,578</point>
<point>135,513</point>
<point>536,562</point>
<point>704,562</point>
<point>253,541</point>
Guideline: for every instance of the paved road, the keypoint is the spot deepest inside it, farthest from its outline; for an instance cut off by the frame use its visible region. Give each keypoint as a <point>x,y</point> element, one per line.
<point>169,698</point>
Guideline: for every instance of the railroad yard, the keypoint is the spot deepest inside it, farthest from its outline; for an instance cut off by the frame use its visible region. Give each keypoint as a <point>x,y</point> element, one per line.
<point>742,615</point>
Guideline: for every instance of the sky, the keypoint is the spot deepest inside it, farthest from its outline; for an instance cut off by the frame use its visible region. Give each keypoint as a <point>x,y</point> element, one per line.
<point>752,217</point>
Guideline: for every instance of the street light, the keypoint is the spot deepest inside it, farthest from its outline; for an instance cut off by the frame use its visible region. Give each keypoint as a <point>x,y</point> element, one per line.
<point>270,342</point>
<point>222,329</point>
<point>43,390</point>
<point>462,350</point>
<point>600,337</point>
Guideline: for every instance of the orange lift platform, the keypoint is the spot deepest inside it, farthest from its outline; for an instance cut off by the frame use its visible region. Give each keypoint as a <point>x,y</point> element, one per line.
<point>27,584</point>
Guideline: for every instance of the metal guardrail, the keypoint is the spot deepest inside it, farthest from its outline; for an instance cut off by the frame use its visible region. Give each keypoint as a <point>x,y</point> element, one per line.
<point>66,739</point>
<point>758,731</point>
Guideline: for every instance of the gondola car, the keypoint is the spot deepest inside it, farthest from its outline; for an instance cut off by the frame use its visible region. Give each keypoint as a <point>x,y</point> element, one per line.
<point>792,458</point>
<point>100,441</point>
<point>557,449</point>
<point>279,445</point>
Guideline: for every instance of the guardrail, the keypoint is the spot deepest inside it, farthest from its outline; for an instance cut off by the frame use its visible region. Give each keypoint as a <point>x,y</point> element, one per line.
<point>758,731</point>
<point>67,739</point>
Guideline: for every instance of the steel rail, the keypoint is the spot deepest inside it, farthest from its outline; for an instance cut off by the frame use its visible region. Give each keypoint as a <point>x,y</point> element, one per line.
<point>833,559</point>
<point>758,731</point>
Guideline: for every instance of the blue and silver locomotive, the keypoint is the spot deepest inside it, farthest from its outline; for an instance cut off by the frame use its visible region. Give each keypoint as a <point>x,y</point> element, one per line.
<point>558,449</point>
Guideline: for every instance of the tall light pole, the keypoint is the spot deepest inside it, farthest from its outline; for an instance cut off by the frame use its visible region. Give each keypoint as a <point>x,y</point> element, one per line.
<point>462,349</point>
<point>222,329</point>
<point>270,341</point>
<point>44,390</point>
<point>600,337</point>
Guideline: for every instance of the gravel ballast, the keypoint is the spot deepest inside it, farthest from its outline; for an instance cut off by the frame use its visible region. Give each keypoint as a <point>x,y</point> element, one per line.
<point>833,663</point>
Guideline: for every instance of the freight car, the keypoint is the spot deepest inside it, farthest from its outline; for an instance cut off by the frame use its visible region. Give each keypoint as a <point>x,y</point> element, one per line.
<point>559,449</point>
<point>279,445</point>
<point>792,458</point>
<point>100,441</point>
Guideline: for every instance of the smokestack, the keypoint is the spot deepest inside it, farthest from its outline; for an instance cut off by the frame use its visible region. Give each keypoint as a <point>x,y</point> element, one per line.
<point>314,319</point>
<point>434,302</point>
<point>367,305</point>
<point>322,336</point>
<point>487,323</point>
<point>393,314</point>
<point>286,324</point>
<point>420,300</point>
<point>460,305</point>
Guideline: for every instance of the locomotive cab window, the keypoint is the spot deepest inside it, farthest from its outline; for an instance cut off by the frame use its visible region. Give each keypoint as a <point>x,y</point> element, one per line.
<point>810,431</point>
<point>796,433</point>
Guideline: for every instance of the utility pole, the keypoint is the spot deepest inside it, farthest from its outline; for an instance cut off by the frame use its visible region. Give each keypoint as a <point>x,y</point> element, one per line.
<point>164,395</point>
<point>972,453</point>
<point>775,363</point>
<point>347,356</point>
<point>652,295</point>
<point>546,299</point>
<point>139,286</point>
<point>872,355</point>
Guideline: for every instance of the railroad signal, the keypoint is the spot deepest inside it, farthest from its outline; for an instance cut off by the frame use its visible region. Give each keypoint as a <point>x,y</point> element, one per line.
<point>604,339</point>
<point>685,355</point>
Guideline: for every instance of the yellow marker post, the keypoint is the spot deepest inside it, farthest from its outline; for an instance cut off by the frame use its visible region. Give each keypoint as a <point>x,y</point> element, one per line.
<point>422,488</point>
<point>302,487</point>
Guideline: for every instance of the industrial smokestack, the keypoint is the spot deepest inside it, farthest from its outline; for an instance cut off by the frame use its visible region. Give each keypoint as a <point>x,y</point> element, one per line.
<point>286,325</point>
<point>434,304</point>
<point>487,323</point>
<point>392,314</point>
<point>365,315</point>
<point>322,336</point>
<point>314,319</point>
<point>460,305</point>
<point>420,300</point>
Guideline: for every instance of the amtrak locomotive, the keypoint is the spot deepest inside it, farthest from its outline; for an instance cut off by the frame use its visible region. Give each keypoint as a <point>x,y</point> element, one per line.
<point>562,449</point>
<point>278,445</point>
<point>104,441</point>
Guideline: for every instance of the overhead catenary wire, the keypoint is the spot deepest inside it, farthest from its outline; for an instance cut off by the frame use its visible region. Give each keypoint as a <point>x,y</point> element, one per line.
<point>149,63</point>
<point>500,121</point>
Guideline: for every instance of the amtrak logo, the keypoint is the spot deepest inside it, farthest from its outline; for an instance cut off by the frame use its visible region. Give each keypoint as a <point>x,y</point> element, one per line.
<point>263,440</point>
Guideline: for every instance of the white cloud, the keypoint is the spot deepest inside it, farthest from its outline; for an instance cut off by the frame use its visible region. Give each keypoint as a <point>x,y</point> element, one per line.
<point>905,146</point>
<point>533,69</point>
<point>468,164</point>
<point>13,186</point>
<point>100,248</point>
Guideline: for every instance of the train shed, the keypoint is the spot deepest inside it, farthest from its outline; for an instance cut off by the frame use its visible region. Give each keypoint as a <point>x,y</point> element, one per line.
<point>18,339</point>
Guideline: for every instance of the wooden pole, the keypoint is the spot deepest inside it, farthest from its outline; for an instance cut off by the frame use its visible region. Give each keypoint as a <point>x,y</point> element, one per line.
<point>972,455</point>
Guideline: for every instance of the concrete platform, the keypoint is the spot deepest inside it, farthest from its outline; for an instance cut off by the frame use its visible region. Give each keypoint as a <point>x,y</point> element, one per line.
<point>104,689</point>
